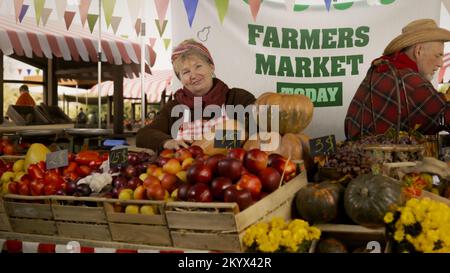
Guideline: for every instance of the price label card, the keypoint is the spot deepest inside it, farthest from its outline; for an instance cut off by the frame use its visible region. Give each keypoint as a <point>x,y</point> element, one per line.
<point>57,159</point>
<point>227,139</point>
<point>118,157</point>
<point>322,145</point>
<point>446,154</point>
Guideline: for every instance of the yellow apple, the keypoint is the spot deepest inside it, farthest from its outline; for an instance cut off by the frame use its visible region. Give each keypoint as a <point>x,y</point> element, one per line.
<point>18,176</point>
<point>18,165</point>
<point>132,209</point>
<point>126,194</point>
<point>182,176</point>
<point>7,176</point>
<point>172,166</point>
<point>147,209</point>
<point>186,163</point>
<point>143,176</point>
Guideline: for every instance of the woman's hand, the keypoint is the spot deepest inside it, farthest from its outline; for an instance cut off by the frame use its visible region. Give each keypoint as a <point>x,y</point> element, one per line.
<point>174,144</point>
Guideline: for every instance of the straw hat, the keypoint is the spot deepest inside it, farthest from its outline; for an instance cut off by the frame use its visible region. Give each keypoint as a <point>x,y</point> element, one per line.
<point>418,31</point>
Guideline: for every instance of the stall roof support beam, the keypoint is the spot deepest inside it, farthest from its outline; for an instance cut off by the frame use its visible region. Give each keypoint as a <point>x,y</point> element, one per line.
<point>118,100</point>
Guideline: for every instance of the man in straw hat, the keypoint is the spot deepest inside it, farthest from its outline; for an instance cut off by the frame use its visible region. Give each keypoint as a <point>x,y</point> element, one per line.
<point>397,92</point>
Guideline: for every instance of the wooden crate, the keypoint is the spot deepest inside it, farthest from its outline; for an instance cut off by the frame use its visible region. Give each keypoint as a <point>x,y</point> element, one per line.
<point>356,236</point>
<point>4,222</point>
<point>30,214</point>
<point>138,228</point>
<point>81,217</point>
<point>221,226</point>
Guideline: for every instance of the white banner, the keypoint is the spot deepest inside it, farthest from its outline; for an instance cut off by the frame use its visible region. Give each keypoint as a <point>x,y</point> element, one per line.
<point>322,54</point>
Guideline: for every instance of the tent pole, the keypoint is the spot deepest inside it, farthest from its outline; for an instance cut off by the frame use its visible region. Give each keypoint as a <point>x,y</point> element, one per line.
<point>99,64</point>
<point>143,66</point>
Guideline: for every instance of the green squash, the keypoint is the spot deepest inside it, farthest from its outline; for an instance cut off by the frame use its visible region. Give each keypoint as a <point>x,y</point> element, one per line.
<point>369,197</point>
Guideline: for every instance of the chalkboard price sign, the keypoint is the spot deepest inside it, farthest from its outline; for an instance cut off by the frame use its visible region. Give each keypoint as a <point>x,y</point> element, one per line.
<point>227,139</point>
<point>57,159</point>
<point>118,157</point>
<point>323,145</point>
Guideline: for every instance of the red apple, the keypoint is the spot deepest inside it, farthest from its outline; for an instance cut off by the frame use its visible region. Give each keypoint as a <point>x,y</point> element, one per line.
<point>199,193</point>
<point>230,167</point>
<point>238,153</point>
<point>195,150</point>
<point>13,187</point>
<point>23,188</point>
<point>150,180</point>
<point>270,179</point>
<point>201,159</point>
<point>182,153</point>
<point>199,173</point>
<point>250,182</point>
<point>183,191</point>
<point>242,197</point>
<point>156,192</point>
<point>288,167</point>
<point>172,166</point>
<point>169,182</point>
<point>256,160</point>
<point>37,188</point>
<point>140,193</point>
<point>272,157</point>
<point>218,186</point>
<point>166,153</point>
<point>212,162</point>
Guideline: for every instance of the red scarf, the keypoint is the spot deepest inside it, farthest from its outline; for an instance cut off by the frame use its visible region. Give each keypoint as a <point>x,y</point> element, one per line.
<point>216,96</point>
<point>399,60</point>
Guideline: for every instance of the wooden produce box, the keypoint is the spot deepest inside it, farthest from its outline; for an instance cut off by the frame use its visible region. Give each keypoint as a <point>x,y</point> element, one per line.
<point>81,218</point>
<point>371,240</point>
<point>221,226</point>
<point>137,228</point>
<point>4,221</point>
<point>30,214</point>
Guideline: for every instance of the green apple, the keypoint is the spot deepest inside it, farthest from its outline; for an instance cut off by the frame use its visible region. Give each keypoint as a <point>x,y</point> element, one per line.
<point>18,165</point>
<point>7,176</point>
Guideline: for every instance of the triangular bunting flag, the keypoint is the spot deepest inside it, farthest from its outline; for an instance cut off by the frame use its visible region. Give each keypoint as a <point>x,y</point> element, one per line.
<point>166,43</point>
<point>23,12</point>
<point>68,18</point>
<point>124,36</point>
<point>152,42</point>
<point>289,4</point>
<point>328,4</point>
<point>137,26</point>
<point>38,71</point>
<point>108,9</point>
<point>254,7</point>
<point>84,9</point>
<point>38,7</point>
<point>28,72</point>
<point>191,8</point>
<point>18,8</point>
<point>92,20</point>
<point>60,8</point>
<point>45,15</point>
<point>222,9</point>
<point>160,28</point>
<point>115,22</point>
<point>19,70</point>
<point>161,10</point>
<point>134,10</point>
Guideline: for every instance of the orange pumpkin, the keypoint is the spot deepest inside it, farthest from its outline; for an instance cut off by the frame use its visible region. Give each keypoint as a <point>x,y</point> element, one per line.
<point>296,111</point>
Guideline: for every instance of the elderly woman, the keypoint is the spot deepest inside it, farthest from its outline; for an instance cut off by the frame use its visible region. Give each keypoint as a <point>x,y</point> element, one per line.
<point>194,67</point>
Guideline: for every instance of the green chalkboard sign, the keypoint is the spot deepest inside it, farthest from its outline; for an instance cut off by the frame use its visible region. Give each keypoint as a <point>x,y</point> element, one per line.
<point>118,157</point>
<point>227,139</point>
<point>323,145</point>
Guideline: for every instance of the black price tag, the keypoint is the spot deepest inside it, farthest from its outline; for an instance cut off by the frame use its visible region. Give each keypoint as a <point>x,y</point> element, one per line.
<point>57,159</point>
<point>227,139</point>
<point>323,145</point>
<point>118,157</point>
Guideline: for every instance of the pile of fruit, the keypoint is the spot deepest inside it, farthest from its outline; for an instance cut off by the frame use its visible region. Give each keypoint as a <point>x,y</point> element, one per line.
<point>187,174</point>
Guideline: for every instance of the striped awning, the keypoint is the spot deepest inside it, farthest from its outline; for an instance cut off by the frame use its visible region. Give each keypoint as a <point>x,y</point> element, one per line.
<point>154,85</point>
<point>76,44</point>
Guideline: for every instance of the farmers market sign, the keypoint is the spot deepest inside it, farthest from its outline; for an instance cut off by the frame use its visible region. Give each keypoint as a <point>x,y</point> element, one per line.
<point>311,51</point>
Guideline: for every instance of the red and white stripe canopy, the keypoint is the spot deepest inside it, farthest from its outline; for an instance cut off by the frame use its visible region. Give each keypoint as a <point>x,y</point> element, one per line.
<point>75,44</point>
<point>154,85</point>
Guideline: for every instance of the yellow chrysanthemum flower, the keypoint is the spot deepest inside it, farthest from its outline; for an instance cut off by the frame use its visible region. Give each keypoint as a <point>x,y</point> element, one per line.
<point>389,217</point>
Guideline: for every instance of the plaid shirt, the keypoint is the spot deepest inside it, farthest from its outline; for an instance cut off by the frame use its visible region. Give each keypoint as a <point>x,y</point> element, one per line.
<point>374,113</point>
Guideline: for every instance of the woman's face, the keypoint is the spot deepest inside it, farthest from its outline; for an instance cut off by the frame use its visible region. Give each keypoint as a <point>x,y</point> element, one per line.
<point>196,75</point>
<point>429,58</point>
